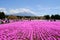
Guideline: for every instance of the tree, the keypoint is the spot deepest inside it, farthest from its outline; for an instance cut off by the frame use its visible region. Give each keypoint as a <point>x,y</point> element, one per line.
<point>2,15</point>
<point>12,17</point>
<point>57,17</point>
<point>47,17</point>
<point>52,16</point>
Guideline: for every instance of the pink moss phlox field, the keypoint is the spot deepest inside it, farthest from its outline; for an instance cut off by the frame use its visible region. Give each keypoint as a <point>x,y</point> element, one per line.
<point>30,30</point>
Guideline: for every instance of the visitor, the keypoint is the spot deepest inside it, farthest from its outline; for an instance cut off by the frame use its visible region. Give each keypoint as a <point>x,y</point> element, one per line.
<point>54,19</point>
<point>7,20</point>
<point>0,21</point>
<point>29,19</point>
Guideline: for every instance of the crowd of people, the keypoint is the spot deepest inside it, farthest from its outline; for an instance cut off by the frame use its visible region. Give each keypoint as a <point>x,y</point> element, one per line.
<point>3,21</point>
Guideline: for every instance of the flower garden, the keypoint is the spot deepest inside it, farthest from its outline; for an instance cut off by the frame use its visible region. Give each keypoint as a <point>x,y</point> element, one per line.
<point>30,30</point>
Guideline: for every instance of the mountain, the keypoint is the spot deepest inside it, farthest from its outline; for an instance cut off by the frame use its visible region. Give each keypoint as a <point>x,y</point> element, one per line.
<point>23,14</point>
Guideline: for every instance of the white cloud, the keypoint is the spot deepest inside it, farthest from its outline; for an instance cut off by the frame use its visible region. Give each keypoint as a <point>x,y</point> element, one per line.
<point>3,10</point>
<point>48,10</point>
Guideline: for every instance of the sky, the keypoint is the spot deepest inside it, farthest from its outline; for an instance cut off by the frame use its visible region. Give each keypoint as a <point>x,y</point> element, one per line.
<point>37,7</point>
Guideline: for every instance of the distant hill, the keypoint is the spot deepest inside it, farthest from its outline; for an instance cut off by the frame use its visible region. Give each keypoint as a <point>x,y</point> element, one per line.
<point>23,14</point>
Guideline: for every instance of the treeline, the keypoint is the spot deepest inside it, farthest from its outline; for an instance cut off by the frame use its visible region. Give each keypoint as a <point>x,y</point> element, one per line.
<point>46,17</point>
<point>52,17</point>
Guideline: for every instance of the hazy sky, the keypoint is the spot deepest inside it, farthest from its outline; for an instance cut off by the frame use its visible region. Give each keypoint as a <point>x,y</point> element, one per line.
<point>38,7</point>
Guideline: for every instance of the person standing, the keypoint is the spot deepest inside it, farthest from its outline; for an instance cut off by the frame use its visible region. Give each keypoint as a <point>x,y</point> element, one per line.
<point>7,20</point>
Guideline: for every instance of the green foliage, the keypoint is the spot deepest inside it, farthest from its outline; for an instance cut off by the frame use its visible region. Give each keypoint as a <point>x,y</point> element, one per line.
<point>47,17</point>
<point>2,15</point>
<point>57,16</point>
<point>52,16</point>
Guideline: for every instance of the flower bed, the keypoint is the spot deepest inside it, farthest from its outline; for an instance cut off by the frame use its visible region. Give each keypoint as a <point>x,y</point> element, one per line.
<point>30,30</point>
